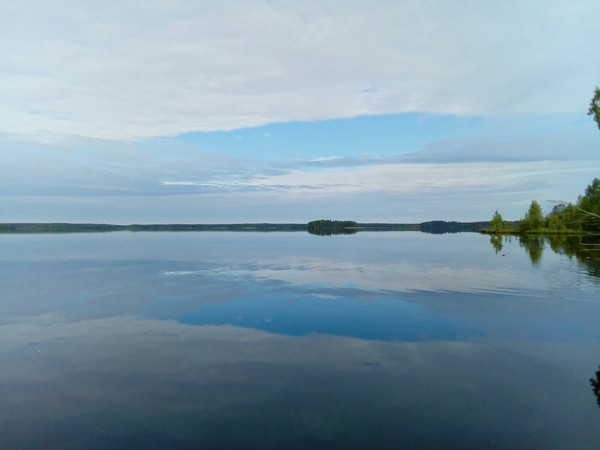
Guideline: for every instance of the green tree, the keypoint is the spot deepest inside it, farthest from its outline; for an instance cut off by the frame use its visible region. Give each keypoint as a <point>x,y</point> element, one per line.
<point>496,224</point>
<point>571,218</point>
<point>534,218</point>
<point>589,206</point>
<point>554,222</point>
<point>595,107</point>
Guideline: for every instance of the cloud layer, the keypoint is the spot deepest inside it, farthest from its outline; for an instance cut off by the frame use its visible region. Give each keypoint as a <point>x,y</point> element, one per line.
<point>128,70</point>
<point>118,111</point>
<point>166,182</point>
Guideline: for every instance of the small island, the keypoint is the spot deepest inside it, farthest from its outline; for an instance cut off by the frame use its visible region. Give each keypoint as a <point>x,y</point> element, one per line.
<point>326,227</point>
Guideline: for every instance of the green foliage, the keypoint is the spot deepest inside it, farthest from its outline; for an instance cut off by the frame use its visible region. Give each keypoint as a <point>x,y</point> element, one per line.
<point>589,205</point>
<point>496,224</point>
<point>582,217</point>
<point>571,218</point>
<point>499,226</point>
<point>595,107</point>
<point>329,227</point>
<point>534,218</point>
<point>554,223</point>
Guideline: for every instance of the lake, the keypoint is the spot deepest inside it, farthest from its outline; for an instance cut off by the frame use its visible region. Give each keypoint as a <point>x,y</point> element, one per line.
<point>241,340</point>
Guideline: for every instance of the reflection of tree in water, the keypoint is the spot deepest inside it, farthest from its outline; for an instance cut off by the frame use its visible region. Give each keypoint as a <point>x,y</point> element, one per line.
<point>534,246</point>
<point>590,256</point>
<point>586,249</point>
<point>496,241</point>
<point>596,386</point>
<point>565,245</point>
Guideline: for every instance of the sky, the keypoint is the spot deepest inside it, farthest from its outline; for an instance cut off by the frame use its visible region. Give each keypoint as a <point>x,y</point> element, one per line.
<point>181,111</point>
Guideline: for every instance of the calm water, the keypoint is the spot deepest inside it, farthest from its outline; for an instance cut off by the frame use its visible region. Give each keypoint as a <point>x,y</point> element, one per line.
<point>287,340</point>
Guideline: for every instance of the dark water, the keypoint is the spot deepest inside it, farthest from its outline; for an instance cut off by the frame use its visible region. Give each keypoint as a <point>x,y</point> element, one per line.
<point>287,340</point>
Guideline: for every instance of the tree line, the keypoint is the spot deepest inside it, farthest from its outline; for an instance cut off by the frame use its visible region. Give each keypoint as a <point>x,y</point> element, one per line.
<point>581,217</point>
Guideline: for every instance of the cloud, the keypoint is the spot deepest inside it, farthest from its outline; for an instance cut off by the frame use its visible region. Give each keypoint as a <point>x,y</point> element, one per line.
<point>322,159</point>
<point>191,183</point>
<point>408,177</point>
<point>165,181</point>
<point>128,71</point>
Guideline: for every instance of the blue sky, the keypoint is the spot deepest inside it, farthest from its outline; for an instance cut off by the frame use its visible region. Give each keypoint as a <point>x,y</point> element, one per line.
<point>280,111</point>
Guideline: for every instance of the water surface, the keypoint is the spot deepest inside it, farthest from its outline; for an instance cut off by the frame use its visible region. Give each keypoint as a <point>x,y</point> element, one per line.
<point>288,340</point>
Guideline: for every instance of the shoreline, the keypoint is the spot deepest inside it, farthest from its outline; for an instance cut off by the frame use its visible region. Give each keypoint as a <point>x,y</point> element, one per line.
<point>436,226</point>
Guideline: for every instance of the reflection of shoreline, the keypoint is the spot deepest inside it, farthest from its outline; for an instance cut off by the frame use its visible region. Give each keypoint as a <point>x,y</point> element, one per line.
<point>596,386</point>
<point>586,249</point>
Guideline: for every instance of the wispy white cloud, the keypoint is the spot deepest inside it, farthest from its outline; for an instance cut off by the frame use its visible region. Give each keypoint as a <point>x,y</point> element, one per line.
<point>322,159</point>
<point>426,177</point>
<point>127,70</point>
<point>190,183</point>
<point>180,273</point>
<point>163,182</point>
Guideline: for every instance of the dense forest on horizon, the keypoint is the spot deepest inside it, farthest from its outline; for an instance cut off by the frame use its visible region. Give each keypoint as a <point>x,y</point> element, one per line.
<point>435,227</point>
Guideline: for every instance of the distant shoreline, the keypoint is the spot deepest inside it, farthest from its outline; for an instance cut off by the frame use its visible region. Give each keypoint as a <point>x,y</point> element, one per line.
<point>435,226</point>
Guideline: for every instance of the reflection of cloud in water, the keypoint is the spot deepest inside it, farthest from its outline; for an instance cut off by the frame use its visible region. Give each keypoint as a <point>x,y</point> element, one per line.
<point>400,277</point>
<point>179,273</point>
<point>325,296</point>
<point>145,382</point>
